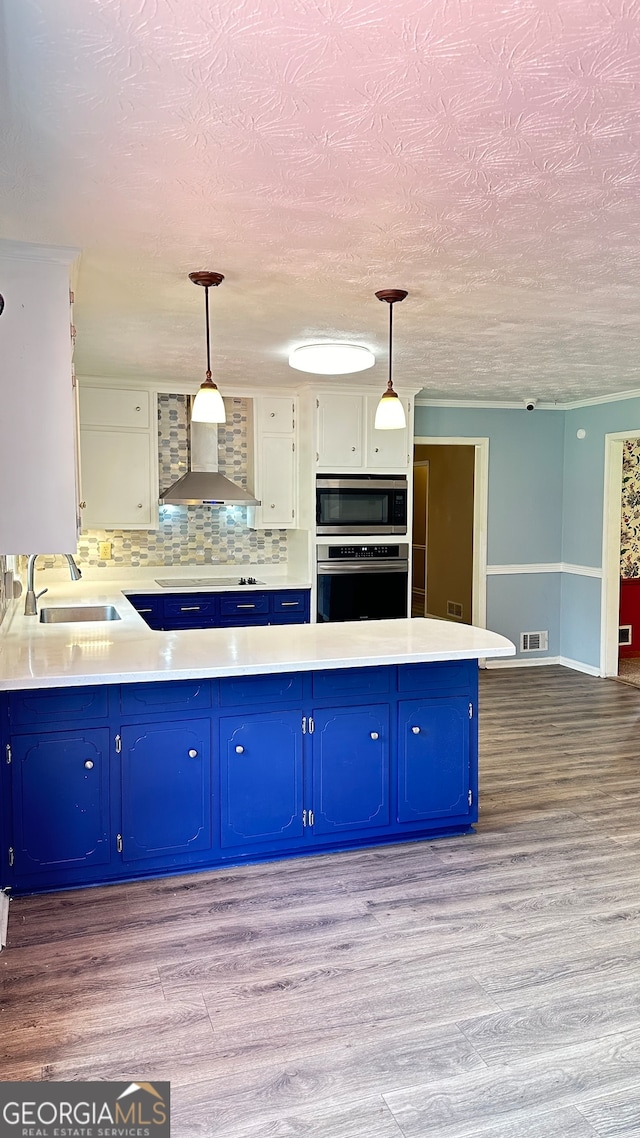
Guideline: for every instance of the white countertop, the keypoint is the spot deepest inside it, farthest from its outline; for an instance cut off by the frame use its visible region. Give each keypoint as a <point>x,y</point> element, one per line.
<point>36,655</point>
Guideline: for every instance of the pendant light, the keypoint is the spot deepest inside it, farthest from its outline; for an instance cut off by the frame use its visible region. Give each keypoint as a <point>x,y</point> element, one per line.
<point>207,406</point>
<point>390,414</point>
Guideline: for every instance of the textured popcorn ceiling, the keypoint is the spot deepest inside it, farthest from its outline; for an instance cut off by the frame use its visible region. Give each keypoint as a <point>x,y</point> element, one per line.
<point>482,155</point>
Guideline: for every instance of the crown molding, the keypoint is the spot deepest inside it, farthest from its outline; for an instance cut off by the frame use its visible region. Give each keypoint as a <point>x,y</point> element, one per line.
<point>497,404</point>
<point>27,251</point>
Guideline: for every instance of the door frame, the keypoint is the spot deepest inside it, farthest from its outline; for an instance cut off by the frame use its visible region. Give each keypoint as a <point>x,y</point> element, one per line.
<point>480,516</point>
<point>610,590</point>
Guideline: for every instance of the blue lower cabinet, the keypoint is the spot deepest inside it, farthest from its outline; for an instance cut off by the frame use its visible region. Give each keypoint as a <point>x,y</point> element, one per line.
<point>166,790</point>
<point>60,784</point>
<point>434,776</point>
<point>261,779</point>
<point>350,769</point>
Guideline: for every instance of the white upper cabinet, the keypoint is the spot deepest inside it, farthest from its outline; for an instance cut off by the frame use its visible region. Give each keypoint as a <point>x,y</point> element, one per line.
<point>119,458</point>
<point>340,432</point>
<point>347,439</point>
<point>38,511</point>
<point>275,463</point>
<point>386,450</point>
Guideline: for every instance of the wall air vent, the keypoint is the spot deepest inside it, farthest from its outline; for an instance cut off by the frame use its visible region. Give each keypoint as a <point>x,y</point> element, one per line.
<point>454,608</point>
<point>624,634</point>
<point>534,641</point>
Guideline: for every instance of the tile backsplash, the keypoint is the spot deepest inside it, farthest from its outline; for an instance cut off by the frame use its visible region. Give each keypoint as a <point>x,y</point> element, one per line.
<point>192,535</point>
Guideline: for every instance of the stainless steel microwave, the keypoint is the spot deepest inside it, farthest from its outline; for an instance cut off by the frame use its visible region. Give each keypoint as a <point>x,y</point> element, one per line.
<point>352,504</point>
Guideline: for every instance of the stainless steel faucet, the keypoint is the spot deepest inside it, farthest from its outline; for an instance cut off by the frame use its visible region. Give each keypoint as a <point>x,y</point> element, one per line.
<point>30,601</point>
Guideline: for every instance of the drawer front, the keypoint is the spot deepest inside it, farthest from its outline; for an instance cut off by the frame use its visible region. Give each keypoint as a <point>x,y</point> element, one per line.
<point>170,696</point>
<point>356,681</point>
<point>57,705</point>
<point>451,676</point>
<point>150,608</point>
<point>195,611</point>
<point>249,690</point>
<point>244,604</point>
<point>290,603</point>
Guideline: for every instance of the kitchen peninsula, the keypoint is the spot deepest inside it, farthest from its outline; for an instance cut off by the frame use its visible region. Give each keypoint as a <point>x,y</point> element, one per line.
<point>133,752</point>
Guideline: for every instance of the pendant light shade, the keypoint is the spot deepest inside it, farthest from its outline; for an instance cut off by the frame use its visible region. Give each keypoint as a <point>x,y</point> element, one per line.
<point>208,405</point>
<point>390,414</point>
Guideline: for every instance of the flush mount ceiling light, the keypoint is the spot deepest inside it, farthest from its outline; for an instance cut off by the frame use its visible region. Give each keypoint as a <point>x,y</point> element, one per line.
<point>208,406</point>
<point>390,414</point>
<point>331,359</point>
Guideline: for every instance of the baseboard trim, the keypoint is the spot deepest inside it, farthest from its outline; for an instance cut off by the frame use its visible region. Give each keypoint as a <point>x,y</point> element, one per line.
<point>4,918</point>
<point>541,661</point>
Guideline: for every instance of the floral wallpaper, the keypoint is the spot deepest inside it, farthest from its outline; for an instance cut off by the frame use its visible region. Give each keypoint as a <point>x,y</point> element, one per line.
<point>630,523</point>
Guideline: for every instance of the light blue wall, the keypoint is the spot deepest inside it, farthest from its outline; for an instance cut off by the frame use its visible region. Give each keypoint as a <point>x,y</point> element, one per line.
<point>525,603</point>
<point>525,476</point>
<point>580,619</point>
<point>584,475</point>
<point>546,490</point>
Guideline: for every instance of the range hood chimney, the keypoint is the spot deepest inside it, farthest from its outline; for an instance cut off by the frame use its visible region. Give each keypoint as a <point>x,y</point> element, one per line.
<point>203,485</point>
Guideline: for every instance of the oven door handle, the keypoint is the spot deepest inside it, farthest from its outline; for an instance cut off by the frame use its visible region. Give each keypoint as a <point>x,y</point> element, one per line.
<point>335,567</point>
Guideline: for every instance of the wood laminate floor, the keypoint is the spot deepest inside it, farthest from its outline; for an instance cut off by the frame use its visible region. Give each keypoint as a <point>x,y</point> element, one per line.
<point>484,985</point>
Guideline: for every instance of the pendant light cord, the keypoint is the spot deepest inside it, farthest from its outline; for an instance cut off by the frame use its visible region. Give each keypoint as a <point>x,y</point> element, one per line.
<point>390,383</point>
<point>206,309</point>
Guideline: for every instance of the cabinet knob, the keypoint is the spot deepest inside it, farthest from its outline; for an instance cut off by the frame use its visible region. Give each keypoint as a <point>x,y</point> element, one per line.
<point>377,449</point>
<point>193,754</point>
<point>138,408</point>
<point>375,735</point>
<point>272,414</point>
<point>416,730</point>
<point>88,764</point>
<point>273,505</point>
<point>139,505</point>
<point>239,749</point>
<point>353,450</point>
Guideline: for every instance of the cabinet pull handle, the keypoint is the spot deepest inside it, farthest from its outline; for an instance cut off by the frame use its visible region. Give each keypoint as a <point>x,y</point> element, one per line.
<point>189,608</point>
<point>82,505</point>
<point>290,604</point>
<point>193,754</point>
<point>375,735</point>
<point>88,764</point>
<point>145,610</point>
<point>239,749</point>
<point>416,730</point>
<point>245,606</point>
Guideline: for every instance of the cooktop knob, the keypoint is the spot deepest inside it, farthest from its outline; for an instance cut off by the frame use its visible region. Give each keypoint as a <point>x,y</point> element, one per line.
<point>242,581</point>
<point>251,581</point>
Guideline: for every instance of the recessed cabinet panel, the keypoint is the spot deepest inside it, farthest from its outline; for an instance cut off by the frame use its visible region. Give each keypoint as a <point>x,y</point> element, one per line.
<point>350,769</point>
<point>57,705</point>
<point>179,695</point>
<point>340,432</point>
<point>277,481</point>
<point>113,407</point>
<point>166,789</point>
<point>115,480</point>
<point>60,801</point>
<point>260,689</point>
<point>433,768</point>
<point>261,778</point>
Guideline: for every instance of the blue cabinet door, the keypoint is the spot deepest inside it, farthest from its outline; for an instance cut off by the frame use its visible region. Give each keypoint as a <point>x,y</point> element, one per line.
<point>433,759</point>
<point>166,789</point>
<point>261,775</point>
<point>60,785</point>
<point>350,769</point>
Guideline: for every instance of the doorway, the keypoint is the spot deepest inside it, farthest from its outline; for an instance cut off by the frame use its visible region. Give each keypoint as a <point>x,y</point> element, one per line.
<point>618,598</point>
<point>450,504</point>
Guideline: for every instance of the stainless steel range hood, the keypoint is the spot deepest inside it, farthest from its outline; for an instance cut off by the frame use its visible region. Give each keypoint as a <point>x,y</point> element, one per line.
<point>203,485</point>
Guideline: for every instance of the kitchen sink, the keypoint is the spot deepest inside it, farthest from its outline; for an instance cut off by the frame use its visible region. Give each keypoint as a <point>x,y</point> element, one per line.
<point>74,613</point>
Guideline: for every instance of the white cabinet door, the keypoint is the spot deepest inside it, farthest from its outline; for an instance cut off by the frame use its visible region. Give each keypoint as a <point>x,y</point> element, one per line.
<point>277,482</point>
<point>114,407</point>
<point>118,457</point>
<point>386,450</point>
<point>340,432</point>
<point>116,482</point>
<point>38,506</point>
<point>275,415</point>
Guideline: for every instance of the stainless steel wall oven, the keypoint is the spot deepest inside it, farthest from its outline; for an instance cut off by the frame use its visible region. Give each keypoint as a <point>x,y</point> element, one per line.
<point>362,582</point>
<point>354,504</point>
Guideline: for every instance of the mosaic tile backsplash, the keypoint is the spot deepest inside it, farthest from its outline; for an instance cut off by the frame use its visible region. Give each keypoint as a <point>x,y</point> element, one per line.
<point>192,535</point>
